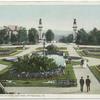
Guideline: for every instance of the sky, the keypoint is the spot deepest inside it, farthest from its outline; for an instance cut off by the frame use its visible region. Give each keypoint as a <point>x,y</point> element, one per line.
<point>56,17</point>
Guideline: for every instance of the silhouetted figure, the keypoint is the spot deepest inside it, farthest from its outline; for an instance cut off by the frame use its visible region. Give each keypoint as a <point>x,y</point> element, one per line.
<point>74,21</point>
<point>69,59</point>
<point>88,81</point>
<point>40,21</point>
<point>82,62</point>
<point>81,84</point>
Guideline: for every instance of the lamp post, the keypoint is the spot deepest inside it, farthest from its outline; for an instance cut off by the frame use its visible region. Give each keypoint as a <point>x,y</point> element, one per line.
<point>75,30</point>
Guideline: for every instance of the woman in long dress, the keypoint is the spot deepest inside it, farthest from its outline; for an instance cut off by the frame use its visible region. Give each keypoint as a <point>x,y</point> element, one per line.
<point>85,63</point>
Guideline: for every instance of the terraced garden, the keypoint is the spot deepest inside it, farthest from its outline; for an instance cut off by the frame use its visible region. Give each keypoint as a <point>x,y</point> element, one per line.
<point>89,52</point>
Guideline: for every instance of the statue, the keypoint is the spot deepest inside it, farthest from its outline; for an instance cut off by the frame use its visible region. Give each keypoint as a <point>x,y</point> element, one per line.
<point>40,21</point>
<point>74,21</point>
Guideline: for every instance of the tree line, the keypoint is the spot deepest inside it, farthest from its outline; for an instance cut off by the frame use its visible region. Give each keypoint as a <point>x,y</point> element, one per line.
<point>22,35</point>
<point>84,38</point>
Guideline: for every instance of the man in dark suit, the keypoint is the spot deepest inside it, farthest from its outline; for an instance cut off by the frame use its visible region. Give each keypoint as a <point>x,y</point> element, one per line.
<point>88,81</point>
<point>81,84</point>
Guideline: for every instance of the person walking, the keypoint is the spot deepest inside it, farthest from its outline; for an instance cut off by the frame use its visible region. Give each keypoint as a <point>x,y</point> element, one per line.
<point>85,63</point>
<point>82,62</point>
<point>81,84</point>
<point>88,81</point>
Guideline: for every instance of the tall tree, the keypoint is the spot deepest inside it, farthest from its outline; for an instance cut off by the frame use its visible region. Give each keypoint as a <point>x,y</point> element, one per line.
<point>67,39</point>
<point>82,37</point>
<point>13,37</point>
<point>93,36</point>
<point>3,36</point>
<point>49,35</point>
<point>33,36</point>
<point>22,35</point>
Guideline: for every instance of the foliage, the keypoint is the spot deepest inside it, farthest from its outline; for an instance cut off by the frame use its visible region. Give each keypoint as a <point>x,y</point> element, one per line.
<point>82,37</point>
<point>22,35</point>
<point>18,36</point>
<point>3,36</point>
<point>67,39</point>
<point>96,72</point>
<point>90,38</point>
<point>34,63</point>
<point>49,35</point>
<point>52,48</point>
<point>33,35</point>
<point>14,38</point>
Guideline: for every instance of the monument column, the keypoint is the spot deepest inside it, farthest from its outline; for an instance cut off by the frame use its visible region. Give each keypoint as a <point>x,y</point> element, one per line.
<point>75,30</point>
<point>40,27</point>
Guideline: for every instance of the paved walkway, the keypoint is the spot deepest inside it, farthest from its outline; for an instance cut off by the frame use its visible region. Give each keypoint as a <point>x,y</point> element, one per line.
<point>2,67</point>
<point>71,51</point>
<point>79,71</point>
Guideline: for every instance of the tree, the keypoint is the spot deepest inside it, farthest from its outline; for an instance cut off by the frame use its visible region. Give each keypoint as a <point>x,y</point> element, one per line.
<point>3,36</point>
<point>34,63</point>
<point>22,35</point>
<point>63,39</point>
<point>49,35</point>
<point>68,39</point>
<point>93,35</point>
<point>82,37</point>
<point>13,38</point>
<point>33,36</point>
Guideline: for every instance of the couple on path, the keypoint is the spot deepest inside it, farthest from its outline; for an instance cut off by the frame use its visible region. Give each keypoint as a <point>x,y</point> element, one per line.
<point>88,81</point>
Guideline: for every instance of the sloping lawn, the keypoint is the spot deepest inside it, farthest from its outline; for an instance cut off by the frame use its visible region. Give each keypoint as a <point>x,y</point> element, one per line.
<point>96,72</point>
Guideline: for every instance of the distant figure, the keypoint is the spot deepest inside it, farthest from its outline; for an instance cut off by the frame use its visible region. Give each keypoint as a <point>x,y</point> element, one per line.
<point>88,81</point>
<point>82,62</point>
<point>40,21</point>
<point>85,63</point>
<point>69,59</point>
<point>81,84</point>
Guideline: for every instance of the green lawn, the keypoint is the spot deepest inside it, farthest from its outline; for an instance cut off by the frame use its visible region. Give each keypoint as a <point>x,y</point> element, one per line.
<point>81,53</point>
<point>12,54</point>
<point>95,72</point>
<point>15,53</point>
<point>4,71</point>
<point>32,82</point>
<point>75,62</point>
<point>59,48</point>
<point>69,74</point>
<point>5,62</point>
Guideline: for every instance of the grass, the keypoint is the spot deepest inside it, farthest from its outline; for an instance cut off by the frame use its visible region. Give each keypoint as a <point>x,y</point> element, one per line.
<point>95,72</point>
<point>5,62</point>
<point>39,49</point>
<point>37,82</point>
<point>69,69</point>
<point>12,54</point>
<point>75,62</point>
<point>15,53</point>
<point>4,71</point>
<point>81,53</point>
<point>32,82</point>
<point>59,48</point>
